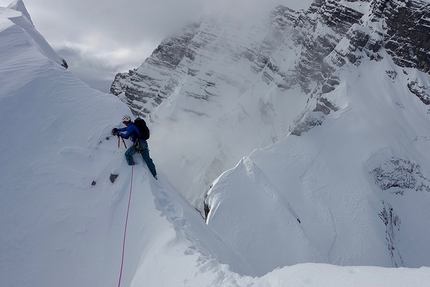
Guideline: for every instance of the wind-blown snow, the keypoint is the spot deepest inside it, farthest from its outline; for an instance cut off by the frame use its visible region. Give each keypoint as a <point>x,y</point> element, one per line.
<point>62,219</point>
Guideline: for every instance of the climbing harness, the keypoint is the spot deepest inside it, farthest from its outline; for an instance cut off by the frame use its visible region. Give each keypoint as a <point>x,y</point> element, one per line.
<point>138,146</point>
<point>125,227</point>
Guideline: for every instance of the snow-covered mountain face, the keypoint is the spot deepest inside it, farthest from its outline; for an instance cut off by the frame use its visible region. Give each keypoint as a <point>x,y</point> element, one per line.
<point>223,88</point>
<point>352,189</point>
<point>348,82</point>
<point>350,184</point>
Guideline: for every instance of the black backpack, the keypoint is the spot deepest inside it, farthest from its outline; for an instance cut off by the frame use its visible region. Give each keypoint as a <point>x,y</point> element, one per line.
<point>143,129</point>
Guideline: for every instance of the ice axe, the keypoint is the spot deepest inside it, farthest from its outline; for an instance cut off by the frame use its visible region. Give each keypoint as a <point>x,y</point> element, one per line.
<point>122,142</point>
<point>115,132</point>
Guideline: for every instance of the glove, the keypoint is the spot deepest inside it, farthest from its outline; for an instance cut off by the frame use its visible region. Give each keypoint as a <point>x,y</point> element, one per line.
<point>115,132</point>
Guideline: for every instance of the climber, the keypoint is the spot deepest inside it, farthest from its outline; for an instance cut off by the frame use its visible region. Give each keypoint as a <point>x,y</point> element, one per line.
<point>139,144</point>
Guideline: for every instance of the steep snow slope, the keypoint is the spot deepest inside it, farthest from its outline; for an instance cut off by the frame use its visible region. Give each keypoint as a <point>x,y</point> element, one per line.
<point>353,191</point>
<point>62,219</point>
<point>52,147</point>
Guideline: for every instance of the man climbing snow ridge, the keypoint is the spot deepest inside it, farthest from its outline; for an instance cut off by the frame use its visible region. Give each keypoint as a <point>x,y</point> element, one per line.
<point>139,144</point>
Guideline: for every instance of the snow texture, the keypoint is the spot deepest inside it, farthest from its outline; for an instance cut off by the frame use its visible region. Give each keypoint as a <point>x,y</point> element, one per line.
<point>313,198</point>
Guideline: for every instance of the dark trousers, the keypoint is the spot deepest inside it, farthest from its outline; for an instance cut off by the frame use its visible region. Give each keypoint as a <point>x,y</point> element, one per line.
<point>145,155</point>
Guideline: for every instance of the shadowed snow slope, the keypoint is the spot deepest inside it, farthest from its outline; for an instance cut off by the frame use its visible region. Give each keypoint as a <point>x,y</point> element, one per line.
<point>62,219</point>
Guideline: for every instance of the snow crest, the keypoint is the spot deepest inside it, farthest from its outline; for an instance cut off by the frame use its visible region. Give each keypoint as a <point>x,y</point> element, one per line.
<point>62,217</point>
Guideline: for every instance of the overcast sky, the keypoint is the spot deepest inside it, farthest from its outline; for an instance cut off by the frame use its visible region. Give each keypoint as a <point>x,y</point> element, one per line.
<point>99,38</point>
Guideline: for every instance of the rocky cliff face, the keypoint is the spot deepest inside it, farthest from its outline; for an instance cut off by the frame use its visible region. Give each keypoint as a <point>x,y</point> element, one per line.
<point>144,88</point>
<point>271,78</point>
<point>367,30</point>
<point>401,27</point>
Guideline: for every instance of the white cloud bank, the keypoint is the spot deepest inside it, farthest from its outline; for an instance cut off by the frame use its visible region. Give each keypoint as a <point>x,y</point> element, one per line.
<point>99,38</point>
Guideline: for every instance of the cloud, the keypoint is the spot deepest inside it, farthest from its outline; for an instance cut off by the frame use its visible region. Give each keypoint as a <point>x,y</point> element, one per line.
<point>130,22</point>
<point>120,34</point>
<point>124,21</point>
<point>98,68</point>
<point>108,34</point>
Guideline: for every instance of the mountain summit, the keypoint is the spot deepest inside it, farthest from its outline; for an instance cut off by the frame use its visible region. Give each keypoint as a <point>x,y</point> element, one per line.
<point>18,5</point>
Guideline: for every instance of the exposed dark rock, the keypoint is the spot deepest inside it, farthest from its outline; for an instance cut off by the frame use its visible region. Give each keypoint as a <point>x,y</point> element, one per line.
<point>325,106</point>
<point>392,223</point>
<point>306,124</point>
<point>399,175</point>
<point>338,17</point>
<point>407,37</point>
<point>423,93</point>
<point>206,209</point>
<point>392,74</point>
<point>158,76</point>
<point>113,177</point>
<point>64,64</point>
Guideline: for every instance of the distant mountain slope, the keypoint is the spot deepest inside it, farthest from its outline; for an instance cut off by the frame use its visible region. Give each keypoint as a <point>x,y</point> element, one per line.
<point>350,77</point>
<point>231,87</point>
<point>352,190</point>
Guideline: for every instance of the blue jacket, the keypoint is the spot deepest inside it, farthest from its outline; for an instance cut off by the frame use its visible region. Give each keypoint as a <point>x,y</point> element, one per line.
<point>130,131</point>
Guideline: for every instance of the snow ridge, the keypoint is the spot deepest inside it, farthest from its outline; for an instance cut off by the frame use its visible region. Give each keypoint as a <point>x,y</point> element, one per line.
<point>62,218</point>
<point>18,5</point>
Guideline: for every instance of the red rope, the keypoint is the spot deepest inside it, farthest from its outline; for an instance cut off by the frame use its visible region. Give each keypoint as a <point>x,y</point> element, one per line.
<point>125,229</point>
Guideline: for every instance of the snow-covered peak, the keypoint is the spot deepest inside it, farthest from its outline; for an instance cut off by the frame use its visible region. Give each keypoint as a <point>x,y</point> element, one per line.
<point>18,15</point>
<point>19,5</point>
